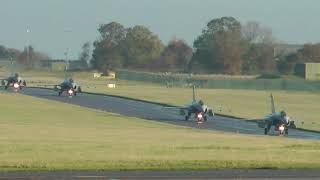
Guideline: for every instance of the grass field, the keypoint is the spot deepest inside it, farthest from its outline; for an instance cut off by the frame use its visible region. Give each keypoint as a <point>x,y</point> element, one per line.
<point>249,104</point>
<point>303,107</point>
<point>37,134</point>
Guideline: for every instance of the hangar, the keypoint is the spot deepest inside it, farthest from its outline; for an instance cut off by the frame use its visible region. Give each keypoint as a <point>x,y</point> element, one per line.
<point>309,71</point>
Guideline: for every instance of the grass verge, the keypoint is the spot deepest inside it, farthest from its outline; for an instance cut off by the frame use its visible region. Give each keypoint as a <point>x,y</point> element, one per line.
<point>43,135</point>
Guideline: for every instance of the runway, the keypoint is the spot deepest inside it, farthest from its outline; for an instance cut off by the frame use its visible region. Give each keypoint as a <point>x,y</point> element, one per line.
<point>212,174</point>
<point>155,112</point>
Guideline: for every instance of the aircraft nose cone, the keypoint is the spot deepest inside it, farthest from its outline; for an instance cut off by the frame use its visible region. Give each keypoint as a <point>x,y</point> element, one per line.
<point>204,108</point>
<point>286,119</point>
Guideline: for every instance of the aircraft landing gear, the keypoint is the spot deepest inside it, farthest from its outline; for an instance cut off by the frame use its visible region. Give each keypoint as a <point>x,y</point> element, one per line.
<point>266,129</point>
<point>59,93</point>
<point>187,117</point>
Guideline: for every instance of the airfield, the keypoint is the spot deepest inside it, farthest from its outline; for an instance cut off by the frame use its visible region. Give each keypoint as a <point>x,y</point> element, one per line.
<point>101,131</point>
<point>157,112</point>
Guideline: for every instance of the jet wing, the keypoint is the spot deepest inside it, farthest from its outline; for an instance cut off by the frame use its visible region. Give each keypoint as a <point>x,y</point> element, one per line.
<point>3,81</point>
<point>183,110</point>
<point>261,123</point>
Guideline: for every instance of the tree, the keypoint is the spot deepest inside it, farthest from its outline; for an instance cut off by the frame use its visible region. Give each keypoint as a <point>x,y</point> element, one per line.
<point>112,33</point>
<point>219,47</point>
<point>142,47</point>
<point>287,64</point>
<point>4,52</point>
<point>108,52</point>
<point>176,55</point>
<point>251,31</point>
<point>27,56</point>
<point>229,53</point>
<point>311,52</point>
<point>259,52</point>
<point>85,54</point>
<point>106,57</point>
<point>14,53</point>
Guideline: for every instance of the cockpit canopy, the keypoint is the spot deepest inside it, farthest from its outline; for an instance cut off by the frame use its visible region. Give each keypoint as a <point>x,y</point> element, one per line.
<point>283,114</point>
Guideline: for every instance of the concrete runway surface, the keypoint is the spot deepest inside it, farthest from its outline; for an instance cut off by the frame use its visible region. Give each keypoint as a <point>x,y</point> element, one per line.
<point>157,112</point>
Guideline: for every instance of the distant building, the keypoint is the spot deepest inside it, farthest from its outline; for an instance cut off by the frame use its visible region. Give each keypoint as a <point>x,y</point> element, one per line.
<point>78,65</point>
<point>53,65</point>
<point>61,65</point>
<point>285,49</point>
<point>309,71</point>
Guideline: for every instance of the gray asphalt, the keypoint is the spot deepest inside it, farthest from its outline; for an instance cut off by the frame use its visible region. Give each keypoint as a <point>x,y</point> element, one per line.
<point>156,112</point>
<point>217,174</point>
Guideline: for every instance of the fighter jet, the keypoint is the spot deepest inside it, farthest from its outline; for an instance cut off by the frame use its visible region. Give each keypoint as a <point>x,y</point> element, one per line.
<point>280,120</point>
<point>14,81</point>
<point>197,108</point>
<point>69,86</point>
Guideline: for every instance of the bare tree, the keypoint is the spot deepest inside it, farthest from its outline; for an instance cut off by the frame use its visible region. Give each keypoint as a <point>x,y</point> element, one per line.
<point>259,53</point>
<point>253,32</point>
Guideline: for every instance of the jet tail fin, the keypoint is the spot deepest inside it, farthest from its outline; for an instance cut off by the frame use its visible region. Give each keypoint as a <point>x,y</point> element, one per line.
<point>193,94</point>
<point>273,109</point>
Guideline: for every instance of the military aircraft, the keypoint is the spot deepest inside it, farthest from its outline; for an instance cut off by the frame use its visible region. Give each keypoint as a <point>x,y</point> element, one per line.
<point>14,81</point>
<point>198,108</point>
<point>69,86</point>
<point>280,120</point>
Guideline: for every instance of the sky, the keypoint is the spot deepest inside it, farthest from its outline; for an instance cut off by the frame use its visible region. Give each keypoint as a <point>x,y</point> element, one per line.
<point>59,26</point>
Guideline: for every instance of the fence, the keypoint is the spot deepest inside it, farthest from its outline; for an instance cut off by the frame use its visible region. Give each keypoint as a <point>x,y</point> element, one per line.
<point>182,80</point>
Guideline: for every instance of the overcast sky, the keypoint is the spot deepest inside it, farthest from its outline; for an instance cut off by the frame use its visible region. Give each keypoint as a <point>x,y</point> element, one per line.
<point>58,25</point>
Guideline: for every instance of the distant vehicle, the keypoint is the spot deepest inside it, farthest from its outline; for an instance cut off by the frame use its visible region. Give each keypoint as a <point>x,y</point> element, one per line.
<point>280,120</point>
<point>196,108</point>
<point>68,86</point>
<point>14,81</point>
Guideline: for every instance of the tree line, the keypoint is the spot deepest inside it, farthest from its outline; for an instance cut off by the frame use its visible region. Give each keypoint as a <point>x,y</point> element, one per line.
<point>224,46</point>
<point>27,57</point>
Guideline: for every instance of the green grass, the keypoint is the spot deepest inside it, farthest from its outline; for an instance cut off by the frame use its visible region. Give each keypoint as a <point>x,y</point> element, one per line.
<point>302,107</point>
<point>248,104</point>
<point>43,135</point>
